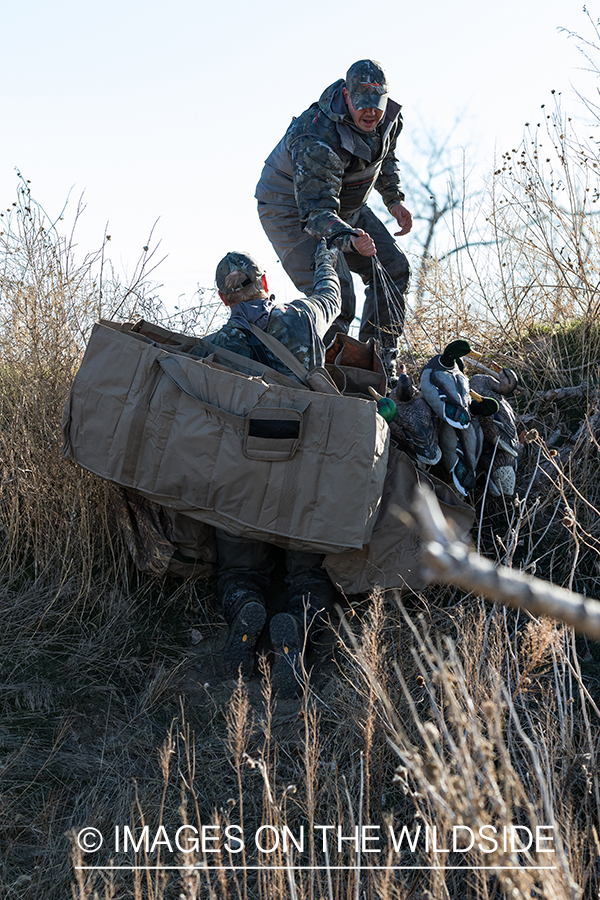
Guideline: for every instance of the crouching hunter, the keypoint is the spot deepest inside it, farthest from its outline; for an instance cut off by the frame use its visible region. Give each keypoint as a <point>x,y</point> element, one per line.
<point>245,566</point>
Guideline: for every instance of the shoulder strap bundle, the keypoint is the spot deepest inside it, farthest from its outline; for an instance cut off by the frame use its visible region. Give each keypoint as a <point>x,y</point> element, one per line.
<point>282,353</point>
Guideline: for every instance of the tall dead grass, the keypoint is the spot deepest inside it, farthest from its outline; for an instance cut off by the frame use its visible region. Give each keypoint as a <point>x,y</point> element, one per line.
<point>438,712</point>
<point>460,719</point>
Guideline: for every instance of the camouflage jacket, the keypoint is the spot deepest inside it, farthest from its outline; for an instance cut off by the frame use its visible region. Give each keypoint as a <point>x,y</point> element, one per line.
<point>327,167</point>
<point>299,325</point>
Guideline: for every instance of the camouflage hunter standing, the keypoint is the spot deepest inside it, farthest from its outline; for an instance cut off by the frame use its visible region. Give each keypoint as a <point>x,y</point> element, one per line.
<point>316,183</point>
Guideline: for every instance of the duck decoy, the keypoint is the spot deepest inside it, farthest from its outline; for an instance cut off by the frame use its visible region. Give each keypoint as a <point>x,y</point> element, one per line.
<point>445,386</point>
<point>501,426</point>
<point>404,389</point>
<point>503,474</point>
<point>461,451</point>
<point>385,405</point>
<point>415,426</point>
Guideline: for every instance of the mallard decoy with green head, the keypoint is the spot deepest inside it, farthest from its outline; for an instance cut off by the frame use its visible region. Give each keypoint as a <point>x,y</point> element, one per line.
<point>460,454</point>
<point>385,405</point>
<point>445,386</point>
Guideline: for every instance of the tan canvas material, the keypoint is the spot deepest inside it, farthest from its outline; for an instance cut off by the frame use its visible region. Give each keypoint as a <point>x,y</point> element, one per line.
<point>269,461</point>
<point>392,557</point>
<point>184,343</point>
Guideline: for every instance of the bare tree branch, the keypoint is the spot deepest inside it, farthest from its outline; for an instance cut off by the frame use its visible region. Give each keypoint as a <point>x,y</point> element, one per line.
<point>451,561</point>
<point>581,391</point>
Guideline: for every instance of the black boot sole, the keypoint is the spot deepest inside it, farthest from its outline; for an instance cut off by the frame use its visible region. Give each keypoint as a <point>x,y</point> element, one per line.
<point>244,632</point>
<point>286,637</point>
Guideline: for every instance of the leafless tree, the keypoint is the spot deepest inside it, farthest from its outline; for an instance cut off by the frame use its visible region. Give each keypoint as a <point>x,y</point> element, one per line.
<point>435,174</point>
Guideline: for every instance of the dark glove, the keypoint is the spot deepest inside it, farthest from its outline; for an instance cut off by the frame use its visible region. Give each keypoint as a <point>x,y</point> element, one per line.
<point>325,254</point>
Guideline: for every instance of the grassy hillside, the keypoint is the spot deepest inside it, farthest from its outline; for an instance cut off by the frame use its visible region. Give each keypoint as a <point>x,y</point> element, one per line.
<point>441,711</point>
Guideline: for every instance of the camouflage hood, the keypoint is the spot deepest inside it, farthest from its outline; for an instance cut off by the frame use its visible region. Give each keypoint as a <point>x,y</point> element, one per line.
<point>332,103</point>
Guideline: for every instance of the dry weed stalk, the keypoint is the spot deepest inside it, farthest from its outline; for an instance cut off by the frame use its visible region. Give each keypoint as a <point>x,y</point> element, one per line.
<point>468,759</point>
<point>239,728</point>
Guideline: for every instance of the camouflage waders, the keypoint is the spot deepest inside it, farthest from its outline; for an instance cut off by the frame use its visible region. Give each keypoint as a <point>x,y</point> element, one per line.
<point>244,579</point>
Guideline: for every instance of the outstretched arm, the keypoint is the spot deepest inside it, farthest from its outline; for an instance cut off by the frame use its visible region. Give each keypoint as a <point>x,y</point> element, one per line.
<point>299,325</point>
<point>325,302</point>
<point>317,173</point>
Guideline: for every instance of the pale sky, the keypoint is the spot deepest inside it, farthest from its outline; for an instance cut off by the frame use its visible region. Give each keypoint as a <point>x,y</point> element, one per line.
<point>167,111</point>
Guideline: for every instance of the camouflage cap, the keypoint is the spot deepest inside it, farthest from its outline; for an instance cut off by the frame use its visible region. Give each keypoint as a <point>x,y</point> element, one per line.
<point>236,264</point>
<point>367,84</point>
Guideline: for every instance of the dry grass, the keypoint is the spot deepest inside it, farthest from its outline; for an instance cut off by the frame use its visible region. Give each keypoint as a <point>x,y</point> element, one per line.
<point>440,712</point>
